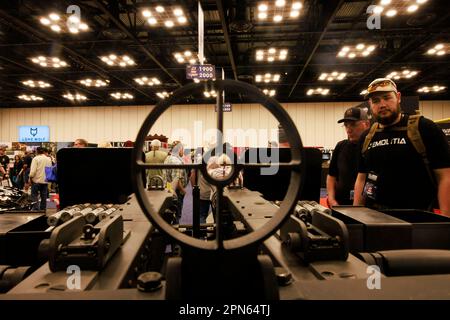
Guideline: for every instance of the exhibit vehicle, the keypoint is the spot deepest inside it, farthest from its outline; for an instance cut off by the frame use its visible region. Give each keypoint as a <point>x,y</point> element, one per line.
<point>256,249</point>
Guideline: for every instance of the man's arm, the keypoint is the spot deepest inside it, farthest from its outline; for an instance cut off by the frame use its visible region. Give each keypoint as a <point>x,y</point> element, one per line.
<point>192,177</point>
<point>33,169</point>
<point>443,180</point>
<point>359,199</point>
<point>331,190</point>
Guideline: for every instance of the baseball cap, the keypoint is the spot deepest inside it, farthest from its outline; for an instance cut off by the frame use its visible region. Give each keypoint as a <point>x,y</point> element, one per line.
<point>354,114</point>
<point>381,85</point>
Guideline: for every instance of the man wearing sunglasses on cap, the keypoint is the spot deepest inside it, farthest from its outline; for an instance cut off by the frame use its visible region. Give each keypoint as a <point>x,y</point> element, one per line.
<point>391,172</point>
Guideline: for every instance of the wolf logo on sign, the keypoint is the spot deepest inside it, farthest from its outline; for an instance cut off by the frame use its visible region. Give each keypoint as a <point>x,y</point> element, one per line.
<point>33,131</point>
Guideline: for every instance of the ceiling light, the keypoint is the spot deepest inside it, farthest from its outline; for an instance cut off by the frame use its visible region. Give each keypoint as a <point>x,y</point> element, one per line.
<point>269,92</point>
<point>45,21</point>
<point>74,19</point>
<point>121,96</point>
<point>391,13</point>
<point>52,62</point>
<point>335,75</point>
<point>163,94</point>
<point>169,16</point>
<point>404,74</point>
<point>321,91</point>
<point>378,9</point>
<point>352,52</point>
<point>83,26</point>
<point>271,54</point>
<point>67,24</point>
<point>34,84</point>
<point>54,16</point>
<point>210,94</point>
<point>439,49</point>
<point>55,28</point>
<point>262,15</point>
<point>262,7</point>
<point>73,97</point>
<point>412,8</point>
<point>169,23</point>
<point>182,20</point>
<point>94,83</point>
<point>186,56</point>
<point>398,7</point>
<point>268,77</point>
<point>115,60</point>
<point>277,18</point>
<point>296,5</point>
<point>177,12</point>
<point>276,10</point>
<point>147,81</point>
<point>32,97</point>
<point>433,89</point>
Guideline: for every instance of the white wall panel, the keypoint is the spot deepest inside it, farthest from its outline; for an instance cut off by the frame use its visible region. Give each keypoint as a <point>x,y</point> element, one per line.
<point>316,122</point>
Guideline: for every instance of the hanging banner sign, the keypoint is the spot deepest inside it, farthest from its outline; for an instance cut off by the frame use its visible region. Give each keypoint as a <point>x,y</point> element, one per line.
<point>201,72</point>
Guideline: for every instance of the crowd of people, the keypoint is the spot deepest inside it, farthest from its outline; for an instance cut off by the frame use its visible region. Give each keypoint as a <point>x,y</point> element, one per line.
<point>395,161</point>
<point>401,162</point>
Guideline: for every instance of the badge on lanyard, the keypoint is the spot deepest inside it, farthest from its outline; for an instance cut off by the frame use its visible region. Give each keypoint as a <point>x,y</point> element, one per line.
<point>370,187</point>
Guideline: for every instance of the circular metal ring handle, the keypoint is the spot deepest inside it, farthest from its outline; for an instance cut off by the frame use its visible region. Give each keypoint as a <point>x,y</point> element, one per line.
<point>289,202</point>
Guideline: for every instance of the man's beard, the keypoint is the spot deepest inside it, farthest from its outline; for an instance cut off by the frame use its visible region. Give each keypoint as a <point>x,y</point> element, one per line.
<point>389,119</point>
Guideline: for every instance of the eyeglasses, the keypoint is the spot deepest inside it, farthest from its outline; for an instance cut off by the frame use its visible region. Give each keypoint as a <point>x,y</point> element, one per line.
<point>383,83</point>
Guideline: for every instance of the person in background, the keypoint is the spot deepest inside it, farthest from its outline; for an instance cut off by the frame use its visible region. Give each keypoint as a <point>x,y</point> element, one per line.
<point>80,143</point>
<point>16,172</point>
<point>39,185</point>
<point>27,159</point>
<point>343,166</point>
<point>4,163</point>
<point>392,171</point>
<point>204,188</point>
<point>155,156</point>
<point>282,138</point>
<point>177,178</point>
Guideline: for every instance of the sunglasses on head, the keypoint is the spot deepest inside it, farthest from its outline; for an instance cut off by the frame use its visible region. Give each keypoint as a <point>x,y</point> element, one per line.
<point>383,83</point>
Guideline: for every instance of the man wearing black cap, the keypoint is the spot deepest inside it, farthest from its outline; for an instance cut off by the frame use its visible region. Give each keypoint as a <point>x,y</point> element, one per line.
<point>343,166</point>
<point>405,160</point>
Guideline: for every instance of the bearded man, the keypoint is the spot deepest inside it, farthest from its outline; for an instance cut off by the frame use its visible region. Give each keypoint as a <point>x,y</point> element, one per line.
<point>392,174</point>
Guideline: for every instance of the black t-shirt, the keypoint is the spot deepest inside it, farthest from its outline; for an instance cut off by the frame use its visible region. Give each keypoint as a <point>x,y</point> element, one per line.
<point>344,167</point>
<point>4,162</point>
<point>402,179</point>
<point>27,160</point>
